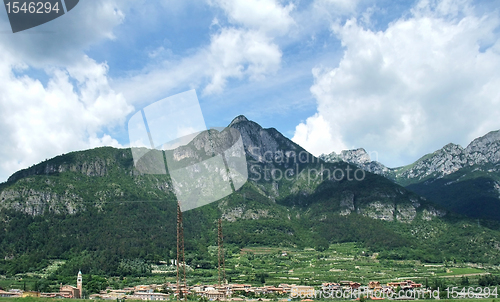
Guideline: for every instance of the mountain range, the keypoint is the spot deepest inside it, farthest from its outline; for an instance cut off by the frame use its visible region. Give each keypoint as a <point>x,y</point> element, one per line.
<point>464,180</point>
<point>96,210</point>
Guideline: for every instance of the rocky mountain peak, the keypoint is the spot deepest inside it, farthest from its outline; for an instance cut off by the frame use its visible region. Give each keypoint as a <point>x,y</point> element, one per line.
<point>452,148</point>
<point>263,143</point>
<point>490,137</point>
<point>444,161</point>
<point>447,160</point>
<point>238,119</point>
<point>356,156</point>
<point>485,149</point>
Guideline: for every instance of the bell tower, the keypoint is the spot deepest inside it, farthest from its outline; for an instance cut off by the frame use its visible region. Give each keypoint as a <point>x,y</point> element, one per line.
<point>79,284</point>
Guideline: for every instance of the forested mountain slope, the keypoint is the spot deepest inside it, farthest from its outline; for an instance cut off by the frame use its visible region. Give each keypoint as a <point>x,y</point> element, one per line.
<point>97,211</point>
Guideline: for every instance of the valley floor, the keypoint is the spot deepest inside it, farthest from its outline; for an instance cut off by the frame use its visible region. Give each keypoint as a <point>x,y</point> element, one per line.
<point>273,266</point>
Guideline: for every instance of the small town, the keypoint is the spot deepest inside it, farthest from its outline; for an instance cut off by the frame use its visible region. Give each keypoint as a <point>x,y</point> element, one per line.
<point>221,292</point>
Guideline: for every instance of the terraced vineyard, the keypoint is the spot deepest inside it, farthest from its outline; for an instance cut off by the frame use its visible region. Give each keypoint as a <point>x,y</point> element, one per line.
<point>273,266</point>
<point>344,261</point>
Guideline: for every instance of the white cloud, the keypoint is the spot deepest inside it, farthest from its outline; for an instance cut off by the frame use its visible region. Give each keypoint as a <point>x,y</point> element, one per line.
<point>39,122</point>
<point>426,80</point>
<point>313,132</point>
<point>337,7</point>
<point>269,16</point>
<point>75,105</point>
<point>235,53</point>
<point>62,41</point>
<point>245,49</point>
<point>232,53</point>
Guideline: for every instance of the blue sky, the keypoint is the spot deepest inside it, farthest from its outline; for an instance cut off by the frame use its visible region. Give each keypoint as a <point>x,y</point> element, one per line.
<point>398,78</point>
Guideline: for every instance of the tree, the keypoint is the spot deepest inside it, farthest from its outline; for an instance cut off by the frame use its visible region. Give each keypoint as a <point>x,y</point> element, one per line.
<point>262,277</point>
<point>202,299</point>
<point>465,280</point>
<point>321,244</point>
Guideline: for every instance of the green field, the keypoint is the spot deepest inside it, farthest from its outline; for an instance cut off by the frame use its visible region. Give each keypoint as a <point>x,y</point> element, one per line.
<point>459,271</point>
<point>344,261</point>
<point>273,266</point>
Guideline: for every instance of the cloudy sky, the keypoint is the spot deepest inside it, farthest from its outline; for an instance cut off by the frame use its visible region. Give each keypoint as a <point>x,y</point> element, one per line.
<point>398,78</point>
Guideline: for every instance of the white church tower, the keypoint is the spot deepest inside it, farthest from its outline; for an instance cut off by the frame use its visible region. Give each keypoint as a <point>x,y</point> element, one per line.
<point>79,284</point>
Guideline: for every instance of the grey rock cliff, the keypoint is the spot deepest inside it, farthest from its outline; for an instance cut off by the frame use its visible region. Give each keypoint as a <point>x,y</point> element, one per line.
<point>484,150</point>
<point>360,158</point>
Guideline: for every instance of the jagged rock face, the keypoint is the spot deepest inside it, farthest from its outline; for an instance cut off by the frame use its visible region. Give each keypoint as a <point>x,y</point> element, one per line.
<point>266,145</point>
<point>385,207</point>
<point>428,214</point>
<point>485,149</point>
<point>358,157</point>
<point>406,212</point>
<point>464,180</point>
<point>390,211</point>
<point>449,159</point>
<point>33,202</point>
<point>347,203</point>
<point>95,166</point>
<point>234,214</point>
<point>378,210</point>
<point>445,161</point>
<point>355,156</point>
